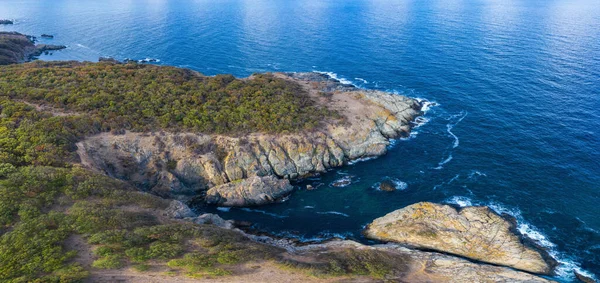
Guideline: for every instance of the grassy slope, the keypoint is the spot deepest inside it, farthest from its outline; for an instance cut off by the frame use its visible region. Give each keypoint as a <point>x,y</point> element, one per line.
<point>144,97</point>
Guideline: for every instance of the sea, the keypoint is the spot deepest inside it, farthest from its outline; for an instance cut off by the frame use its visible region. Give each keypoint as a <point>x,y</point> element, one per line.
<point>512,89</point>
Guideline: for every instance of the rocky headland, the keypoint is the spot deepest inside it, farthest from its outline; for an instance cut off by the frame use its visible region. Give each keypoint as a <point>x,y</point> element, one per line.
<point>253,169</point>
<point>18,48</point>
<point>6,22</point>
<point>472,232</point>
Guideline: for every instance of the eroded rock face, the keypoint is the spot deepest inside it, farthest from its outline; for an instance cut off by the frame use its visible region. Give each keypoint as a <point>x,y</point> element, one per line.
<point>188,164</point>
<point>472,232</point>
<point>249,192</point>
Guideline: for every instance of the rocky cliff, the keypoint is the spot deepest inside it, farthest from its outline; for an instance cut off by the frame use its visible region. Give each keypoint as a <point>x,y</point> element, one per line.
<point>472,232</point>
<point>180,165</point>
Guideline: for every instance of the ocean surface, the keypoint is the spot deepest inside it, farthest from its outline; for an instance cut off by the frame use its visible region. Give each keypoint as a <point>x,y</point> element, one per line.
<point>515,122</point>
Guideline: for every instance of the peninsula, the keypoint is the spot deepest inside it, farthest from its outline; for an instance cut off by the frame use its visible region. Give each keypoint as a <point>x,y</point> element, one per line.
<point>98,160</point>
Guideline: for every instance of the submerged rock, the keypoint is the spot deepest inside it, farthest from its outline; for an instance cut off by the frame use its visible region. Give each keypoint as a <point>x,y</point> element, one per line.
<point>343,182</point>
<point>473,232</point>
<point>47,36</point>
<point>249,192</point>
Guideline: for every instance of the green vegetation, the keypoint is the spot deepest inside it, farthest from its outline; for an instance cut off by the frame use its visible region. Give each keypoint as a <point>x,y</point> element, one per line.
<point>373,263</point>
<point>145,97</point>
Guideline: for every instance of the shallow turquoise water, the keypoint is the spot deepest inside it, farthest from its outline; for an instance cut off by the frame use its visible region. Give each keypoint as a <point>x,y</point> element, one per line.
<point>517,83</point>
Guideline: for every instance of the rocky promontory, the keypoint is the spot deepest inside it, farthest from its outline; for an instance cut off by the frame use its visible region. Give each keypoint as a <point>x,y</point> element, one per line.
<point>472,232</point>
<point>180,165</point>
<point>18,48</point>
<point>6,22</point>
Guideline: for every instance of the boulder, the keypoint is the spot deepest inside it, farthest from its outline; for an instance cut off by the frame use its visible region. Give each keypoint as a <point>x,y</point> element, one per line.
<point>209,218</point>
<point>178,209</point>
<point>249,192</point>
<point>472,232</point>
<point>387,186</point>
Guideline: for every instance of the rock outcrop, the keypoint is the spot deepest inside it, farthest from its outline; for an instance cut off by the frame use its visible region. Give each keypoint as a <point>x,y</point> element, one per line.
<point>178,209</point>
<point>249,192</point>
<point>209,218</point>
<point>18,48</point>
<point>6,22</point>
<point>180,165</point>
<point>472,232</point>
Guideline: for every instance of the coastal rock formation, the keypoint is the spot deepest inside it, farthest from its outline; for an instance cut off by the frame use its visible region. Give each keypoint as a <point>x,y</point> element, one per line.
<point>178,209</point>
<point>18,48</point>
<point>407,265</point>
<point>387,186</point>
<point>472,232</point>
<point>209,218</point>
<point>249,192</point>
<point>6,22</point>
<point>189,164</point>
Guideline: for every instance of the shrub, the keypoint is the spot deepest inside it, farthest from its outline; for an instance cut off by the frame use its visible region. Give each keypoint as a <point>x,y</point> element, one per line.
<point>109,262</point>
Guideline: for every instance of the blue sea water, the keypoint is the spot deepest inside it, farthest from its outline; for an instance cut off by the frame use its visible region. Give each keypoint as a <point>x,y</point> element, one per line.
<point>517,87</point>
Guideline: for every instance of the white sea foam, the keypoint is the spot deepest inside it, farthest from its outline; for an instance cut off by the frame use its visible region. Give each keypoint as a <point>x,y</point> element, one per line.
<point>449,130</point>
<point>343,182</point>
<point>400,185</point>
<point>412,135</point>
<point>336,77</point>
<point>263,212</point>
<point>441,164</point>
<point>82,46</point>
<point>334,212</point>
<point>420,121</point>
<point>149,60</point>
<point>426,104</point>
<point>224,209</point>
<point>362,159</point>
<point>362,80</point>
<point>476,173</point>
<point>460,201</point>
<point>322,236</point>
<point>309,207</point>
